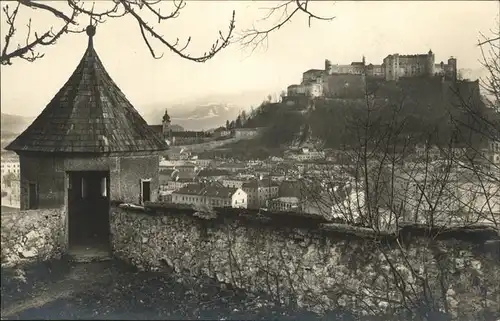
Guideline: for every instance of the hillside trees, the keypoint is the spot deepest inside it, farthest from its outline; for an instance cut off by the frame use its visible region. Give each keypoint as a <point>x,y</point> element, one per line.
<point>72,16</point>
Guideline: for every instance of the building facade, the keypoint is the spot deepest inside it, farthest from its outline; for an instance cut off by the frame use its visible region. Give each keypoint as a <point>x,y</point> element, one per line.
<point>355,68</point>
<point>312,75</point>
<point>259,192</point>
<point>213,195</point>
<point>398,66</point>
<point>234,182</point>
<point>285,204</point>
<point>395,66</point>
<point>10,165</point>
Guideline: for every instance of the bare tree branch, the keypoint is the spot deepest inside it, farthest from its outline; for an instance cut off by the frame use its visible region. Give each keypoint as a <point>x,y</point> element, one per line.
<point>255,37</point>
<point>57,13</point>
<point>27,51</point>
<point>488,41</point>
<point>118,9</point>
<point>216,47</point>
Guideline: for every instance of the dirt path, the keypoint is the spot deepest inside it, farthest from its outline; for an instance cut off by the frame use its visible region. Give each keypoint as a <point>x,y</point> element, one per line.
<point>76,281</point>
<point>111,290</point>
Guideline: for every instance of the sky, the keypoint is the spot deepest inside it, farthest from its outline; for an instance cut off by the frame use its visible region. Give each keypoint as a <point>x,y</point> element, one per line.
<point>372,29</point>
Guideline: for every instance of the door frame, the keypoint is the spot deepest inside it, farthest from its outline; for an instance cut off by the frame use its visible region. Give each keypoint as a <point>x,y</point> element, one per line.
<point>70,175</point>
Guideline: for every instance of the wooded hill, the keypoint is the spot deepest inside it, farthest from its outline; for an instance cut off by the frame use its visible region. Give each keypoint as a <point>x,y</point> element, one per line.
<point>411,111</point>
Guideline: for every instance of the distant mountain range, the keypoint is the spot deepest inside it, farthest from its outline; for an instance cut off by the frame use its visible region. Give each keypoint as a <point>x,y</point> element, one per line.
<point>201,113</point>
<point>13,125</point>
<point>207,112</point>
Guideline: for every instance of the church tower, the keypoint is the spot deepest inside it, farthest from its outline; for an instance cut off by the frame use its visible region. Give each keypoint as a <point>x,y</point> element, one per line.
<point>166,122</point>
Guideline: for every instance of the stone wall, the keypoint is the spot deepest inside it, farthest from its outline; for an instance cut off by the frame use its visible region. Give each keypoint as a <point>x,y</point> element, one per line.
<point>132,170</point>
<point>344,86</point>
<point>33,235</point>
<point>43,171</point>
<point>49,173</point>
<point>304,261</point>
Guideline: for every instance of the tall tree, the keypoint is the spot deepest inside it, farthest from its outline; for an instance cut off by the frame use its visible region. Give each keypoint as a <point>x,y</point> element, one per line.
<point>237,124</point>
<point>282,95</point>
<point>243,117</point>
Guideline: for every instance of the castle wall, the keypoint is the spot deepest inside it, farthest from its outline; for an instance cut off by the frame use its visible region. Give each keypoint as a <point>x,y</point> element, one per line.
<point>398,66</point>
<point>321,267</point>
<point>35,235</point>
<point>344,86</point>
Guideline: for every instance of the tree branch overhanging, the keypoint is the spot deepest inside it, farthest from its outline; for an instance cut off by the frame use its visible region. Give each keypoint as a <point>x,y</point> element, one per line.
<point>145,13</point>
<point>255,37</point>
<point>117,9</point>
<point>146,30</point>
<point>26,51</point>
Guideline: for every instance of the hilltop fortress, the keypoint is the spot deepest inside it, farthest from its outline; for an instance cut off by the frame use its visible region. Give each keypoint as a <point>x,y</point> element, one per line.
<point>335,80</point>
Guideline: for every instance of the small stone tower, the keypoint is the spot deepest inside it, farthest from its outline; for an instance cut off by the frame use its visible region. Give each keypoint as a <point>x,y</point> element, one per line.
<point>430,63</point>
<point>452,69</point>
<point>328,66</point>
<point>88,147</point>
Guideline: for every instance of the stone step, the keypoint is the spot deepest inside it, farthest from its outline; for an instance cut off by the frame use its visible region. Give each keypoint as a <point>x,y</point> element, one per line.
<point>88,258</point>
<point>89,254</point>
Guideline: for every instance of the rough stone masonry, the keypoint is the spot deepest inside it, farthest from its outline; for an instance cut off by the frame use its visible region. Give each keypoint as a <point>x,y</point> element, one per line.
<point>321,267</point>
<point>32,235</point>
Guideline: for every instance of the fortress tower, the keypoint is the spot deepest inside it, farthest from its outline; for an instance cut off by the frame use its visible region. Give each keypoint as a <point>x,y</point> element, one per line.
<point>451,72</point>
<point>430,63</point>
<point>328,66</point>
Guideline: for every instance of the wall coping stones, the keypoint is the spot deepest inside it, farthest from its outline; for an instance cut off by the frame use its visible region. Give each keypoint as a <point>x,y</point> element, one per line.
<point>474,233</point>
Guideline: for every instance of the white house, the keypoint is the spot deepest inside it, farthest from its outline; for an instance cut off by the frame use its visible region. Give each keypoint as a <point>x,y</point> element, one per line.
<point>245,133</point>
<point>10,165</point>
<point>214,195</point>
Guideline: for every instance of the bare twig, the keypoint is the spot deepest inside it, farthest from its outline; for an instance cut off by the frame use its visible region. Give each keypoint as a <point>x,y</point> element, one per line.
<point>27,51</point>
<point>255,37</point>
<point>221,43</point>
<point>117,9</point>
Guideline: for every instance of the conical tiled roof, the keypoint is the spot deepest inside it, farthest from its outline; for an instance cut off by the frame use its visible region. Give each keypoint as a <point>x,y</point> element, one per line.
<point>89,114</point>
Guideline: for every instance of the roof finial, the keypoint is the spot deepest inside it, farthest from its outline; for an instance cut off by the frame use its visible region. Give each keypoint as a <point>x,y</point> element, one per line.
<point>91,28</point>
<point>90,31</point>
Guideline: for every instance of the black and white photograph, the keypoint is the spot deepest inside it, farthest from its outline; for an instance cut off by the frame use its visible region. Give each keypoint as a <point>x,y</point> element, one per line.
<point>250,160</point>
